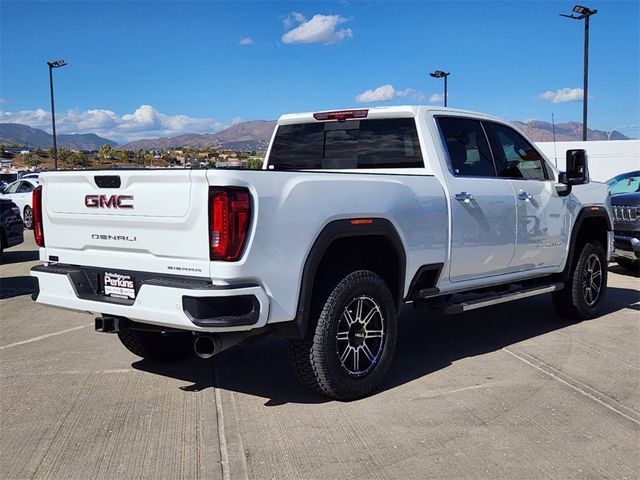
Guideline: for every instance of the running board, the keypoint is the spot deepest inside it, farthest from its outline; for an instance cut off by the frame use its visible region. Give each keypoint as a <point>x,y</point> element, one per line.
<point>502,298</point>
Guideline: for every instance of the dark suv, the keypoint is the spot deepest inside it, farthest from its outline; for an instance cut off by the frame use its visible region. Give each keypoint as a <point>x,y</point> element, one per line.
<point>11,226</point>
<point>625,199</point>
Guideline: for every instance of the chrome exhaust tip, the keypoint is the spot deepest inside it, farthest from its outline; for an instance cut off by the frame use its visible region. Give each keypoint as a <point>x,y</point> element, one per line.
<point>206,346</point>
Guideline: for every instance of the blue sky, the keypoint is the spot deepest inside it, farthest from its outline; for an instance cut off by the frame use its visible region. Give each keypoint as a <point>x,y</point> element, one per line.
<point>142,69</point>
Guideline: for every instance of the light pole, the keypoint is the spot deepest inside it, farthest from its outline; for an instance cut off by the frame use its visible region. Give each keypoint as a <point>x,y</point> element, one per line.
<point>52,65</point>
<point>584,13</point>
<point>441,74</point>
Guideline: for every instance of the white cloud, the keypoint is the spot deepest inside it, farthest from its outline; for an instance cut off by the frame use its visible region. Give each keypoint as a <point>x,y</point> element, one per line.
<point>247,41</point>
<point>563,95</point>
<point>380,94</point>
<point>436,98</point>
<point>387,92</point>
<point>144,122</point>
<point>292,19</point>
<point>320,29</point>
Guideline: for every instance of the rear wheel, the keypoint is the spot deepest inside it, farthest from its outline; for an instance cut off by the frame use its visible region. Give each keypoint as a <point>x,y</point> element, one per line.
<point>582,297</point>
<point>350,343</point>
<point>164,347</point>
<point>27,217</point>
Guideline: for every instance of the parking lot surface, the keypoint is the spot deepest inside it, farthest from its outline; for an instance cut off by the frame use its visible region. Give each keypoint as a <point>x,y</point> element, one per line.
<point>507,392</point>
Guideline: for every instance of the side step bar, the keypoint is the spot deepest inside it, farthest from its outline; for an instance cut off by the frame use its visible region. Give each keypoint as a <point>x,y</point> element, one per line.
<point>502,298</point>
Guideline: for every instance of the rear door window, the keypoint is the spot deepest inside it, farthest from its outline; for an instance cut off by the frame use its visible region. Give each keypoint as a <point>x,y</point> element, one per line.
<point>25,187</point>
<point>467,146</point>
<point>385,143</point>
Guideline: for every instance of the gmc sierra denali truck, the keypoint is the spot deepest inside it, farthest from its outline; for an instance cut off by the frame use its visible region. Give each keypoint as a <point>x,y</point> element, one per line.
<point>355,213</point>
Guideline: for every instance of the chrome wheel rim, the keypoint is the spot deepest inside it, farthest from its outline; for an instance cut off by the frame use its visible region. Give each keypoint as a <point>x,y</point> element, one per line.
<point>360,336</point>
<point>28,216</point>
<point>592,280</point>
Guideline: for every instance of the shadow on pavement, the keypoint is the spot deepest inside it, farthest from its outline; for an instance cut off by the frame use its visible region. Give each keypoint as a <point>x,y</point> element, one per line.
<point>623,271</point>
<point>19,256</point>
<point>16,286</point>
<point>427,342</point>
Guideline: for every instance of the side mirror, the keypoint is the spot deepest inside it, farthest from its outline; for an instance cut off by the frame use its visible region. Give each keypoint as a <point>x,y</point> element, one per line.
<point>577,168</point>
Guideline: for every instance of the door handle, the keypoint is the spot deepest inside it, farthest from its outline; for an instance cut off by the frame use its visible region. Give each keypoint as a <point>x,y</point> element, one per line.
<point>525,196</point>
<point>463,197</point>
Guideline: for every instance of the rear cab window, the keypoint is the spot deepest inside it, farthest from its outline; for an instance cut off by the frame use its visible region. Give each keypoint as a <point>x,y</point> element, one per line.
<point>467,147</point>
<point>349,144</point>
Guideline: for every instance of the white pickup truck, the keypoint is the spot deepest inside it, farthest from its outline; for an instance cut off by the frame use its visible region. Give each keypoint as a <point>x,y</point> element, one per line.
<point>355,213</point>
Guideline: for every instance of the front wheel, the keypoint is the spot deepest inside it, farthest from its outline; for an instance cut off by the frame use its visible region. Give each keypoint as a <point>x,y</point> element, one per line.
<point>163,347</point>
<point>350,342</point>
<point>27,217</point>
<point>583,295</point>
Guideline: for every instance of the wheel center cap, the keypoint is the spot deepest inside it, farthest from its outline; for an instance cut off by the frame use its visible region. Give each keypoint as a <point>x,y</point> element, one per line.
<point>357,335</point>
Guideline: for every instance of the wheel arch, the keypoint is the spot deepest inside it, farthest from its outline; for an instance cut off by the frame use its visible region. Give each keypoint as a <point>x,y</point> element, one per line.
<point>591,222</point>
<point>351,240</point>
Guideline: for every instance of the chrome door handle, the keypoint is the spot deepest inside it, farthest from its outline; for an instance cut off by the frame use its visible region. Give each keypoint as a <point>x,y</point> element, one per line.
<point>463,197</point>
<point>525,196</point>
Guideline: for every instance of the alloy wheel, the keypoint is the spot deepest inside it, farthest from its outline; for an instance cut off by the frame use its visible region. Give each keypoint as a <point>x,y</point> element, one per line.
<point>361,335</point>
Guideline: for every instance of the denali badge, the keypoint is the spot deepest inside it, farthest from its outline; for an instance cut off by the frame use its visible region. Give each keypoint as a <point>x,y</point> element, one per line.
<point>125,238</point>
<point>108,201</point>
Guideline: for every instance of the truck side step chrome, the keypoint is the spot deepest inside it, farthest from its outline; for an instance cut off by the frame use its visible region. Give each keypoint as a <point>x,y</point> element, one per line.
<point>502,298</point>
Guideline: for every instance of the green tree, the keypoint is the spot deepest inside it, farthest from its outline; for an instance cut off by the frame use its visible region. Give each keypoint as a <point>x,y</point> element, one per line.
<point>32,160</point>
<point>78,159</point>
<point>63,154</point>
<point>106,151</point>
<point>254,163</point>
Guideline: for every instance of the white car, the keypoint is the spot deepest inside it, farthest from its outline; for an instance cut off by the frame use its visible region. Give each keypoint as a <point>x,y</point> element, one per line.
<point>20,192</point>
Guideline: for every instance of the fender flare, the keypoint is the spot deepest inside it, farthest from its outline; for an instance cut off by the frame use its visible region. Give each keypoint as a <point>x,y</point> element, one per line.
<point>335,230</point>
<point>586,212</point>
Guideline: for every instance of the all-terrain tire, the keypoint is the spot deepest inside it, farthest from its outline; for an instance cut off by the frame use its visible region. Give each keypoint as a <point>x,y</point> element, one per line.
<point>583,295</point>
<point>357,318</point>
<point>163,347</point>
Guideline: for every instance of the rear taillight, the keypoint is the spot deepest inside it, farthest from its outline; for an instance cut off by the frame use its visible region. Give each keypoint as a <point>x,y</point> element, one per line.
<point>229,216</point>
<point>36,208</point>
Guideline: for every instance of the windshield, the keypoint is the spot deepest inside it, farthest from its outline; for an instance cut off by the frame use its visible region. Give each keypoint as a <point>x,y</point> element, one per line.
<point>625,183</point>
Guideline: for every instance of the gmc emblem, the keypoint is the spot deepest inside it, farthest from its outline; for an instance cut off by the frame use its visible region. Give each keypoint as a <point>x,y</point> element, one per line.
<point>108,201</point>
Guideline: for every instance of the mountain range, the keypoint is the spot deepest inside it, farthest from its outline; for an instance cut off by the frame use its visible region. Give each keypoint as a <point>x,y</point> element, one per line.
<point>252,135</point>
<point>18,134</point>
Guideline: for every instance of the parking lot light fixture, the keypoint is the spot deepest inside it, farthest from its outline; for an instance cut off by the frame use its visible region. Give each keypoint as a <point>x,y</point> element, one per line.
<point>441,74</point>
<point>52,65</point>
<point>584,13</point>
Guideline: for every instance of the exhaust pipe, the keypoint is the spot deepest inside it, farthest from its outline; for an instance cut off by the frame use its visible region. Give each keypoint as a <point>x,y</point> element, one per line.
<point>206,345</point>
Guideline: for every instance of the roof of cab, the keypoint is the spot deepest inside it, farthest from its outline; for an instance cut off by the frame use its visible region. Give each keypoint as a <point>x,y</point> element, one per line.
<point>398,111</point>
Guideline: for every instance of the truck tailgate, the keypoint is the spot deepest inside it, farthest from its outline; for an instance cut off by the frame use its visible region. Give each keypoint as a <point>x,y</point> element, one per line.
<point>142,220</point>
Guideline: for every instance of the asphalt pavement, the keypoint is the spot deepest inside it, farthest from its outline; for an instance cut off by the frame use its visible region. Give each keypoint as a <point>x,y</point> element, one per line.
<point>509,392</point>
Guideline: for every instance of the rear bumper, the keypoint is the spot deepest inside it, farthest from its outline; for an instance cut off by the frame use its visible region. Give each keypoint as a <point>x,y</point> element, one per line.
<point>175,303</point>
